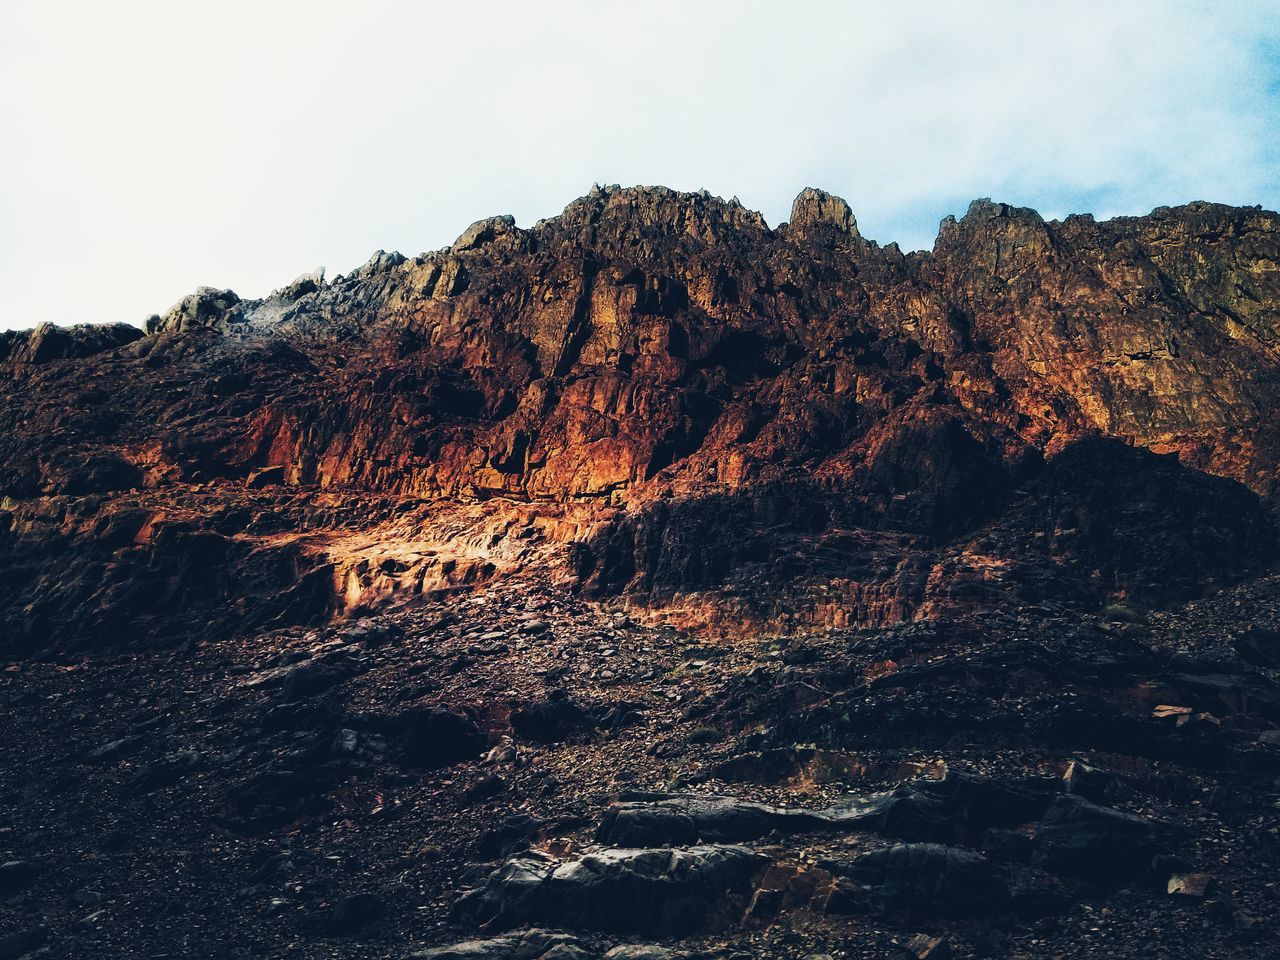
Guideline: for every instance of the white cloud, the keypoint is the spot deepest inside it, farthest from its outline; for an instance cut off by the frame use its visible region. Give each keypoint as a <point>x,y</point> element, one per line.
<point>154,146</point>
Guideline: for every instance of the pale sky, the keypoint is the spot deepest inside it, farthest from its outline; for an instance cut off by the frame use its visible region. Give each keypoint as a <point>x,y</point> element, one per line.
<point>153,147</point>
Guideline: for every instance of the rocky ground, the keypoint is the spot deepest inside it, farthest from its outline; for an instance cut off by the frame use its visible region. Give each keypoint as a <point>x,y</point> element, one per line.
<point>511,772</point>
<point>653,582</point>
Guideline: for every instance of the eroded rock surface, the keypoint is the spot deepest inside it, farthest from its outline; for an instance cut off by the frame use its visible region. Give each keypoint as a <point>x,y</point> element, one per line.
<point>723,404</point>
<point>663,891</point>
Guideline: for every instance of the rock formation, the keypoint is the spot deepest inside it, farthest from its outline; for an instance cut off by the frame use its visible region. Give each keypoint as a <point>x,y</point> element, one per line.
<point>700,402</point>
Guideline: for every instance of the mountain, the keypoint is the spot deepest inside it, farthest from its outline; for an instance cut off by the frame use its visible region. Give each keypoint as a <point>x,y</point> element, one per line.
<point>698,501</point>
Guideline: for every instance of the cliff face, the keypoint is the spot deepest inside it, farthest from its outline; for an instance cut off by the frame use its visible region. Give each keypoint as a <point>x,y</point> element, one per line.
<point>686,407</point>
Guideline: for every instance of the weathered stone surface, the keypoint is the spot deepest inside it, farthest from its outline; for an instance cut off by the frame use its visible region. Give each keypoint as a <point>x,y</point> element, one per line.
<point>688,819</point>
<point>654,891</point>
<point>523,945</point>
<point>958,808</point>
<point>814,209</point>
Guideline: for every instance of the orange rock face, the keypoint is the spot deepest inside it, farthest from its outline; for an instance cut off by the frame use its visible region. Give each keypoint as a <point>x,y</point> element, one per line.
<point>790,426</point>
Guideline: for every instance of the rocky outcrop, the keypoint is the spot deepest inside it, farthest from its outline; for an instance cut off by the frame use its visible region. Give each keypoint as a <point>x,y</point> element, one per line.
<point>206,309</point>
<point>20,349</point>
<point>816,210</point>
<point>730,404</point>
<point>661,892</point>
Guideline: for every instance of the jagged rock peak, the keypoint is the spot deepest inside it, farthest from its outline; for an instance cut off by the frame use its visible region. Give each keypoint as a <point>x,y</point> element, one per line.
<point>986,218</point>
<point>207,308</point>
<point>655,210</point>
<point>985,208</point>
<point>47,341</point>
<point>484,231</point>
<point>814,206</point>
<point>379,262</point>
<point>302,285</point>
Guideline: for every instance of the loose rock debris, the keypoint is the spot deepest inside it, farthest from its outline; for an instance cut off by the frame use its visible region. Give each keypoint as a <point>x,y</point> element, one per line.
<point>1004,791</point>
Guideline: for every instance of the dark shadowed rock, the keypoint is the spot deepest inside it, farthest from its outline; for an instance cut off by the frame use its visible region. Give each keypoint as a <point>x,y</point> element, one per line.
<point>1081,839</point>
<point>353,913</point>
<point>314,677</point>
<point>434,737</point>
<point>925,878</point>
<point>549,721</point>
<point>48,342</point>
<point>17,875</point>
<point>511,835</point>
<point>167,770</point>
<point>1260,645</point>
<point>1092,783</point>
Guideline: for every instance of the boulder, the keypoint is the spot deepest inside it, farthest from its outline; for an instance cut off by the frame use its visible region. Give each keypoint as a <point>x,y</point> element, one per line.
<point>958,808</point>
<point>207,309</point>
<point>434,737</point>
<point>314,677</point>
<point>1092,783</point>
<point>1077,838</point>
<point>484,231</point>
<point>16,876</point>
<point>549,721</point>
<point>1259,645</point>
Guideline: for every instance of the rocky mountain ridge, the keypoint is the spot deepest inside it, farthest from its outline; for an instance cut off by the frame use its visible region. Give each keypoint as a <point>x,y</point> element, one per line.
<point>657,357</point>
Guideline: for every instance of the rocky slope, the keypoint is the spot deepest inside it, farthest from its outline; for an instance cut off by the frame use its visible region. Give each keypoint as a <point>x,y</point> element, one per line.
<point>652,583</point>
<point>701,402</point>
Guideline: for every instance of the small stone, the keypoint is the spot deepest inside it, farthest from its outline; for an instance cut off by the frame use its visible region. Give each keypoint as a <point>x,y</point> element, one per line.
<point>1092,783</point>
<point>924,947</point>
<point>1190,884</point>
